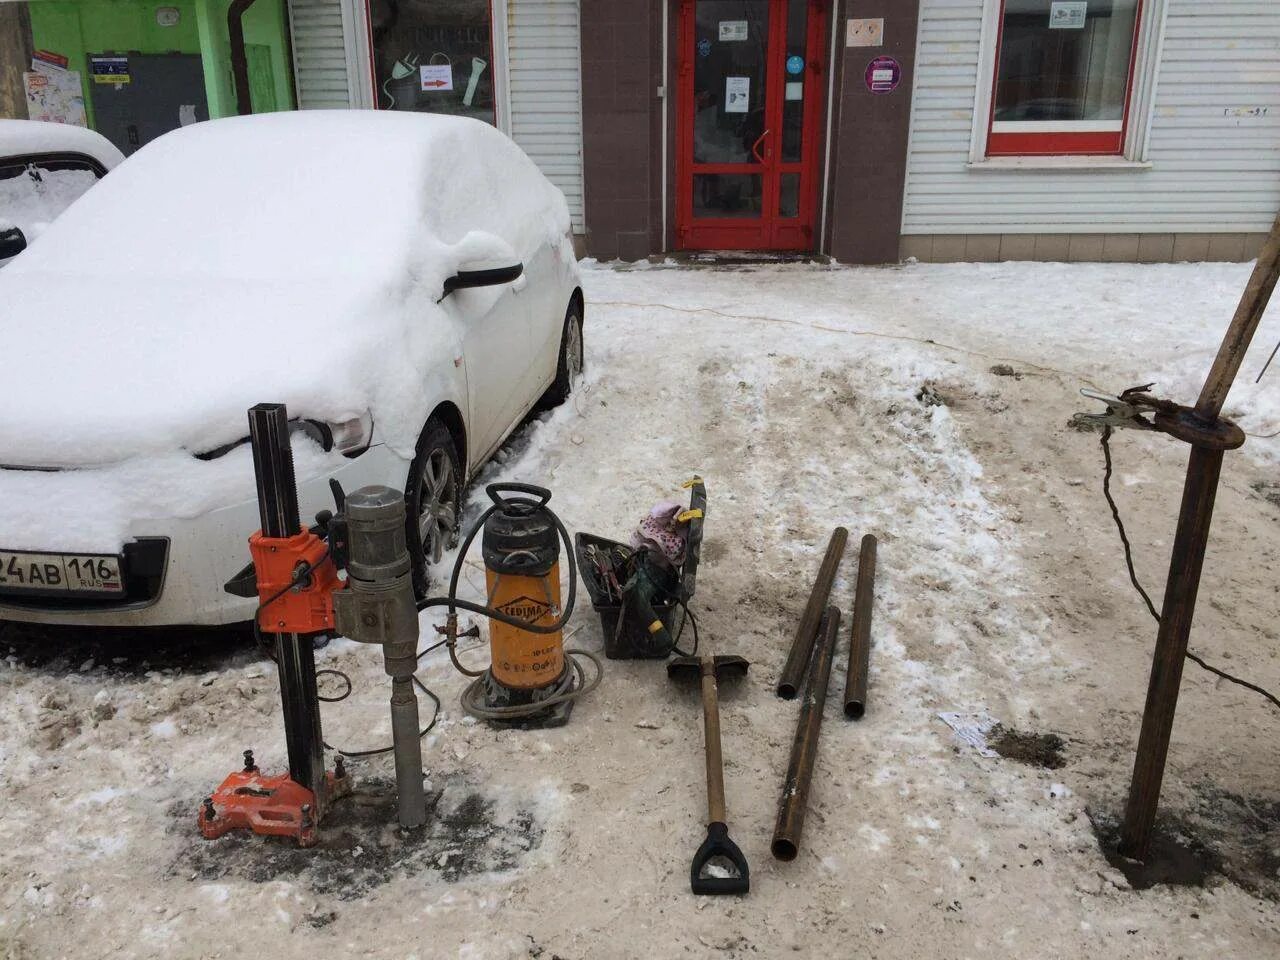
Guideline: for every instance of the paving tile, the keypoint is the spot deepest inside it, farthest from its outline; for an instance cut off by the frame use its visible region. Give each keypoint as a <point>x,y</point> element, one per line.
<point>1190,247</point>
<point>1053,247</point>
<point>1018,246</point>
<point>1156,248</point>
<point>1120,247</point>
<point>919,246</point>
<point>1085,247</point>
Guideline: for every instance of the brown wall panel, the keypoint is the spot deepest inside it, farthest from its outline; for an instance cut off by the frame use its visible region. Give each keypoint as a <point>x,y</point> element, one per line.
<point>621,119</point>
<point>869,150</point>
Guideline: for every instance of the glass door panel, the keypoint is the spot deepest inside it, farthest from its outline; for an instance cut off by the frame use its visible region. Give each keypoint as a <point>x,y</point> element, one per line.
<point>795,66</point>
<point>748,108</point>
<point>731,41</point>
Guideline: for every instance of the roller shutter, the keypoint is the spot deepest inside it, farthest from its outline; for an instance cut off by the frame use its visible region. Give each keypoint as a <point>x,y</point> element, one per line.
<point>546,91</point>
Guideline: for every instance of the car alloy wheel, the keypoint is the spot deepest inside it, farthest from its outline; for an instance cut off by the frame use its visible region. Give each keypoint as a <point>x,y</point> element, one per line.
<point>437,504</point>
<point>569,362</point>
<point>573,351</point>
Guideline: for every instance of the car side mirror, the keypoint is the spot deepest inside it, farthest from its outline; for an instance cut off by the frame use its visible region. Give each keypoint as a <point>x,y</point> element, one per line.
<point>12,242</point>
<point>482,276</point>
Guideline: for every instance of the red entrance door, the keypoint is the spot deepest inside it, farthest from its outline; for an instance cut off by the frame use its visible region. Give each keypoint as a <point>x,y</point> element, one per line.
<point>748,130</point>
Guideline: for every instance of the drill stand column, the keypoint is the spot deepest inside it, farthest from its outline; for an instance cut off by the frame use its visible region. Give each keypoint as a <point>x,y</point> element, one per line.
<point>295,579</point>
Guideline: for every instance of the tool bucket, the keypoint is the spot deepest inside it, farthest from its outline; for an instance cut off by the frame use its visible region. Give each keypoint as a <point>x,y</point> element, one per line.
<point>633,640</point>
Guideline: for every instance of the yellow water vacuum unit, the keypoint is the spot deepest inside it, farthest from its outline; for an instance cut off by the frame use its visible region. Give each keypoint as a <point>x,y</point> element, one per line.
<point>531,680</point>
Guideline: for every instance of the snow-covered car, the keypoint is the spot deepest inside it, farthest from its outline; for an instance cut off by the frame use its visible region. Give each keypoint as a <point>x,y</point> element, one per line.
<point>405,283</point>
<point>43,168</point>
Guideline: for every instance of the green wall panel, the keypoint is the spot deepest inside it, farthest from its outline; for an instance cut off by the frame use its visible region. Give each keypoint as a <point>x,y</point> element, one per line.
<point>76,28</point>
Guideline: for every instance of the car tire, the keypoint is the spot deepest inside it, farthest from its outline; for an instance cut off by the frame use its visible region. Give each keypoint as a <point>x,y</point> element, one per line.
<point>569,366</point>
<point>433,501</point>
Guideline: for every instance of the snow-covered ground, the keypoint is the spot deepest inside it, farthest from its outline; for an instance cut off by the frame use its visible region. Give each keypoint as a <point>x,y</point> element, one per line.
<point>926,404</point>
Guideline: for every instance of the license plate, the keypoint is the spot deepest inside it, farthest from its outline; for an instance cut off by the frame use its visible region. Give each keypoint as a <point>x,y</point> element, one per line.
<point>60,574</point>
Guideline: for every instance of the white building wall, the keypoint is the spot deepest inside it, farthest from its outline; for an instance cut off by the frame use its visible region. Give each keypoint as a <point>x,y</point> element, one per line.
<point>1212,153</point>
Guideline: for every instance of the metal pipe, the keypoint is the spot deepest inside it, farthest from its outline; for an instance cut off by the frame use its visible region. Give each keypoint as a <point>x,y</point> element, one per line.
<point>855,683</point>
<point>411,799</point>
<point>1189,543</point>
<point>295,656</point>
<point>802,645</point>
<point>804,749</point>
<point>1253,303</point>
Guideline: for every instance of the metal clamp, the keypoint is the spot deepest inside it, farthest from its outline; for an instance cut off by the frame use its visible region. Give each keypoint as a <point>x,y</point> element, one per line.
<point>1126,410</point>
<point>1174,419</point>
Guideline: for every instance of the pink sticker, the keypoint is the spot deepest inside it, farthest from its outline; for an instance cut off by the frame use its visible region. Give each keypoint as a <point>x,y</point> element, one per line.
<point>883,75</point>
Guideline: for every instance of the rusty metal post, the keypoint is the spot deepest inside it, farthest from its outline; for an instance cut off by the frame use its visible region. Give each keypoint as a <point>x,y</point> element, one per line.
<point>794,802</point>
<point>1203,469</point>
<point>807,631</point>
<point>855,681</point>
<point>1179,606</point>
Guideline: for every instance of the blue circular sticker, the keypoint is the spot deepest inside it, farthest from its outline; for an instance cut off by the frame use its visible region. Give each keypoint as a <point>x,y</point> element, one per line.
<point>795,64</point>
<point>704,47</point>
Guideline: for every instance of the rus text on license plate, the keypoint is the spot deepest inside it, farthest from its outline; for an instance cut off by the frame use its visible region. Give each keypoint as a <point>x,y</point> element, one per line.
<point>60,573</point>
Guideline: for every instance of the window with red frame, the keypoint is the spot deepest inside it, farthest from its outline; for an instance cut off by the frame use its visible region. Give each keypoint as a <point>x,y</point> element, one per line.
<point>1064,77</point>
<point>433,56</point>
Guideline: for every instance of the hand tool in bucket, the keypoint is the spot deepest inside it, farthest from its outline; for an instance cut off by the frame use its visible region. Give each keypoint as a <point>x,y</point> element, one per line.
<point>717,848</point>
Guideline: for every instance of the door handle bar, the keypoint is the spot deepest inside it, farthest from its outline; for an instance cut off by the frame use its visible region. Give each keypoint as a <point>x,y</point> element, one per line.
<point>755,147</point>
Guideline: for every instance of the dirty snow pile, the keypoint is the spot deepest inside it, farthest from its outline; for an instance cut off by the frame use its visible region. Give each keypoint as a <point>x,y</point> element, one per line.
<point>927,405</point>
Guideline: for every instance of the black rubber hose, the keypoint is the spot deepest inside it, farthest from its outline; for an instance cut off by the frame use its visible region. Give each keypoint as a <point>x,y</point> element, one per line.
<point>454,604</point>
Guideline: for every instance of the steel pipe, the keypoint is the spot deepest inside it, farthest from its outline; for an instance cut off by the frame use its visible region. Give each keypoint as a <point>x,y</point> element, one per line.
<point>807,631</point>
<point>855,684</point>
<point>794,802</point>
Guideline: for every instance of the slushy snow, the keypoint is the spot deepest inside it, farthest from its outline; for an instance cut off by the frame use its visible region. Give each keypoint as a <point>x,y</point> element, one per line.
<point>799,394</point>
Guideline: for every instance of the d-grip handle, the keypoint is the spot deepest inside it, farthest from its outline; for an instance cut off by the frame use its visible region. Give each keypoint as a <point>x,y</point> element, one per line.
<point>718,844</point>
<point>495,491</point>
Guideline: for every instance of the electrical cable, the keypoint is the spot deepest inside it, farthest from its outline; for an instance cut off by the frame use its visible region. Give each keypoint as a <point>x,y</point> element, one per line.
<point>1146,597</point>
<point>689,617</point>
<point>379,751</point>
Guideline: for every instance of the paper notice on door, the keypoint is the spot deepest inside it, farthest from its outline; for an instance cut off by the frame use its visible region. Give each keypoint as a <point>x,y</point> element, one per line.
<point>795,91</point>
<point>733,30</point>
<point>737,94</point>
<point>1068,14</point>
<point>436,77</point>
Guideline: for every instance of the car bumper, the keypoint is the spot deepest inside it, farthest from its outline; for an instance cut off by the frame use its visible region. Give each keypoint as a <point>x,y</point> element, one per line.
<point>203,553</point>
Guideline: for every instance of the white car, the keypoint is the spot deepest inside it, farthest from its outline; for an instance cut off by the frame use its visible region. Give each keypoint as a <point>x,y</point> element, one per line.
<point>405,283</point>
<point>43,168</point>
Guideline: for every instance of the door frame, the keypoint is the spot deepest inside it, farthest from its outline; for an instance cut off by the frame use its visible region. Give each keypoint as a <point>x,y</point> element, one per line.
<point>768,232</point>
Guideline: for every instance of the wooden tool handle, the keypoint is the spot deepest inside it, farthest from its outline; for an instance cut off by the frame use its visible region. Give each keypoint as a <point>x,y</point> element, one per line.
<point>711,737</point>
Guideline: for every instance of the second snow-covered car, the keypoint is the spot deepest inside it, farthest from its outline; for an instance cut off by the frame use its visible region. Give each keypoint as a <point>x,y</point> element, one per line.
<point>405,283</point>
<point>43,168</point>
